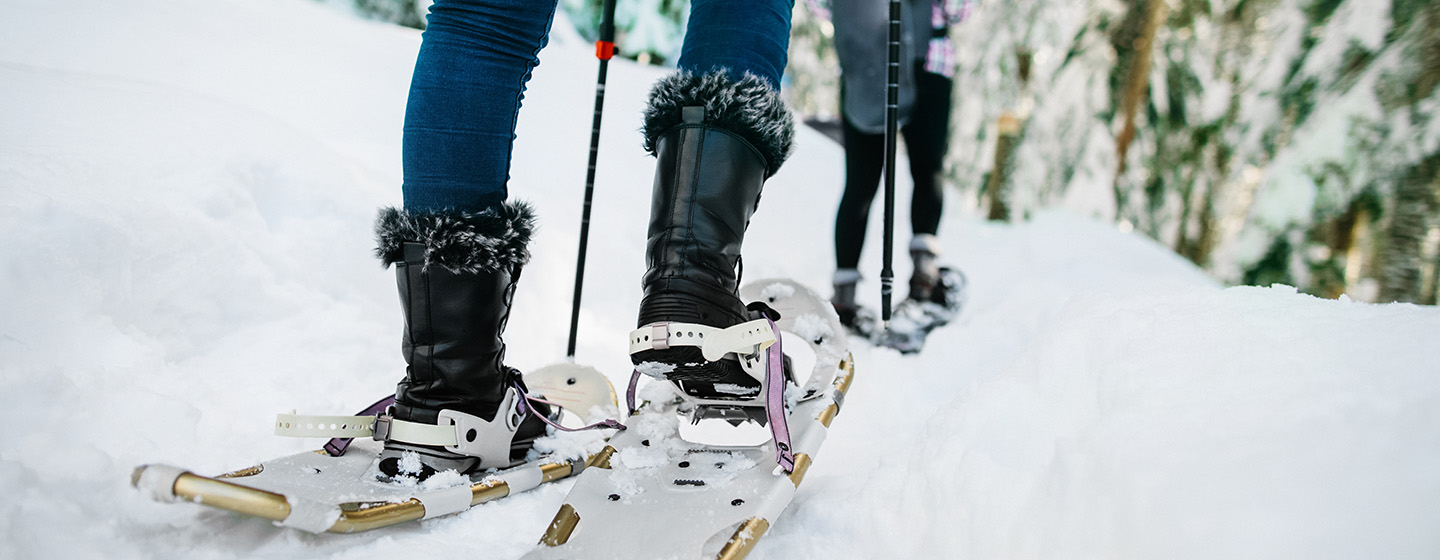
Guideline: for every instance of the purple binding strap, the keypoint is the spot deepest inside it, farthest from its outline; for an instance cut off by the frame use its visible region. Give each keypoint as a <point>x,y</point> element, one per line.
<point>630,392</point>
<point>526,408</point>
<point>775,402</point>
<point>336,446</point>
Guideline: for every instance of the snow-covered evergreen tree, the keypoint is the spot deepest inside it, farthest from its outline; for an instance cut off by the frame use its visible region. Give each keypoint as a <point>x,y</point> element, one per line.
<point>410,13</point>
<point>1260,124</point>
<point>647,30</point>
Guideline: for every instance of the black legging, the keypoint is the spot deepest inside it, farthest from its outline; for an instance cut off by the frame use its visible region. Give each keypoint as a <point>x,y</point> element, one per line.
<point>926,138</point>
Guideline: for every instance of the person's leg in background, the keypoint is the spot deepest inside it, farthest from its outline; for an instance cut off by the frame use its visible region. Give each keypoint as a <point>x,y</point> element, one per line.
<point>864,164</point>
<point>927,138</point>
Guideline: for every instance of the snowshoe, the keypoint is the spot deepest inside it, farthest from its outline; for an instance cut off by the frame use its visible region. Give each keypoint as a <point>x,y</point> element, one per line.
<point>684,452</point>
<point>339,488</point>
<point>913,319</point>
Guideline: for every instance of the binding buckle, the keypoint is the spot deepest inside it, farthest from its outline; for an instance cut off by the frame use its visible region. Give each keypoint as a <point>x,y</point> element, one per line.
<point>748,338</point>
<point>381,430</point>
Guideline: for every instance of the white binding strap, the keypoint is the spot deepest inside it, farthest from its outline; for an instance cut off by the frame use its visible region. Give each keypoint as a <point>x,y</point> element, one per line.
<point>456,431</point>
<point>744,338</point>
<point>423,434</point>
<point>302,425</point>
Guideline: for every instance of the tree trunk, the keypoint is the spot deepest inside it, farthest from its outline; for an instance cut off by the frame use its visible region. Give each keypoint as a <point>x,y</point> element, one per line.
<point>1137,81</point>
<point>997,186</point>
<point>1432,297</point>
<point>1402,257</point>
<point>1197,247</point>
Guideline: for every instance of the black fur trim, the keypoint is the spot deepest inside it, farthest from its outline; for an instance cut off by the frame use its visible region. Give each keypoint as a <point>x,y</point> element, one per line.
<point>748,107</point>
<point>462,242</point>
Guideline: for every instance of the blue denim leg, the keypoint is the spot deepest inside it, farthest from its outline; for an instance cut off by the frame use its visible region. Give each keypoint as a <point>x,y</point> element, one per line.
<point>739,36</point>
<point>475,57</point>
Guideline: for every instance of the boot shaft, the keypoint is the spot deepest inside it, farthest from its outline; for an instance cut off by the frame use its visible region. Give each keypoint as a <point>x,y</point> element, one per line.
<point>452,341</point>
<point>456,274</point>
<point>846,282</point>
<point>707,186</point>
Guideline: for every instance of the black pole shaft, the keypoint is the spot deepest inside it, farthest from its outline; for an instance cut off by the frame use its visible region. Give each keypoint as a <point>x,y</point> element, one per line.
<point>604,49</point>
<point>892,103</point>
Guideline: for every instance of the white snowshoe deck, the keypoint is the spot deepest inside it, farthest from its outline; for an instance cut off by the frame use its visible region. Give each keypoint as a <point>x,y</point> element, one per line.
<point>652,494</point>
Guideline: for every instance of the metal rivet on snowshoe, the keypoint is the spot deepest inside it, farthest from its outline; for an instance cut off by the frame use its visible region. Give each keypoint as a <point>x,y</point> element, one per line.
<point>684,464</point>
<point>737,502</point>
<point>614,497</point>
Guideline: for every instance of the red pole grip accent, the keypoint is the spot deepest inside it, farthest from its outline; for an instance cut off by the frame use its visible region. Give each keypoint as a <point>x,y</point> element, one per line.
<point>604,50</point>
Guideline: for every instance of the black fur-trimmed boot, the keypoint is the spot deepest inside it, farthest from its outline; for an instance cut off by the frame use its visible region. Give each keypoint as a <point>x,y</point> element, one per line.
<point>716,140</point>
<point>456,275</point>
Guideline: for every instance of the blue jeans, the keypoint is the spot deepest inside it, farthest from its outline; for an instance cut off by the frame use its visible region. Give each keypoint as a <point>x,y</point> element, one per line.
<point>476,56</point>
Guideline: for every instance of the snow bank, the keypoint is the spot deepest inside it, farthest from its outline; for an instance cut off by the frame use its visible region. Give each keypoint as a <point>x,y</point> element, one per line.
<point>1102,401</point>
<point>186,190</point>
<point>1248,423</point>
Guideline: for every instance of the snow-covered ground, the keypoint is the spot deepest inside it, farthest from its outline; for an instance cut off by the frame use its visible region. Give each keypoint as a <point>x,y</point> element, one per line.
<point>186,192</point>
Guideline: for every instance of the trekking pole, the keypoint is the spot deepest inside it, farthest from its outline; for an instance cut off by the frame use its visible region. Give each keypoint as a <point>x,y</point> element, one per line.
<point>892,102</point>
<point>604,50</point>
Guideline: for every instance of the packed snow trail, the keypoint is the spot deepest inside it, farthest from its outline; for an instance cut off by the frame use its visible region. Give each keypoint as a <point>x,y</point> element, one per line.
<point>186,190</point>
